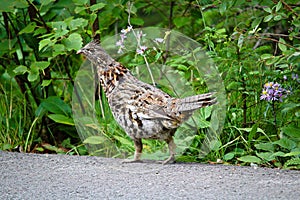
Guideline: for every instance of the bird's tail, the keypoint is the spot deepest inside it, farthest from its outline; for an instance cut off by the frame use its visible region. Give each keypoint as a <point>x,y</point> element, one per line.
<point>189,104</point>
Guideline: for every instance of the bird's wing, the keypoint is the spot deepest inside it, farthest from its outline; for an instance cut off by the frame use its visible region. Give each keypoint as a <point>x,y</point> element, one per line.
<point>148,106</point>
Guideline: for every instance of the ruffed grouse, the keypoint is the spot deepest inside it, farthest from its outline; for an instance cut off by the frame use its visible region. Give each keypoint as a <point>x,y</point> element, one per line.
<point>141,109</point>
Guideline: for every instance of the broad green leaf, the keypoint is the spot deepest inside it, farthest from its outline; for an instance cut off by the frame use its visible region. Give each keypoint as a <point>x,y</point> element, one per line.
<point>58,49</point>
<point>266,56</point>
<point>44,43</point>
<point>265,146</point>
<point>268,156</point>
<point>228,156</point>
<point>268,18</point>
<point>293,153</point>
<point>277,17</point>
<point>292,131</point>
<point>286,143</point>
<point>250,159</point>
<point>278,6</point>
<point>281,45</point>
<point>76,23</point>
<point>293,162</point>
<point>21,69</point>
<point>78,9</point>
<point>29,28</point>
<point>97,6</point>
<point>40,65</point>
<point>96,139</point>
<point>46,2</point>
<point>252,132</point>
<point>62,119</point>
<point>55,105</point>
<point>46,83</point>
<point>73,42</point>
<point>267,9</point>
<point>10,6</point>
<point>33,75</point>
<point>80,2</point>
<point>137,21</point>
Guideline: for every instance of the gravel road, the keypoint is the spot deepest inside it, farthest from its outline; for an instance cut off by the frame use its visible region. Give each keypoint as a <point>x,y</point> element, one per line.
<point>34,176</point>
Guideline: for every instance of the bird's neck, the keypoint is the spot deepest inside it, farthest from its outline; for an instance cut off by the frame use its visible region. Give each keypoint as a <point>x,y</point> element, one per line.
<point>110,77</point>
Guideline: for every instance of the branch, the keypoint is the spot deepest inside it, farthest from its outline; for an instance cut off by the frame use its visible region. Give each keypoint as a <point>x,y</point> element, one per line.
<point>95,26</point>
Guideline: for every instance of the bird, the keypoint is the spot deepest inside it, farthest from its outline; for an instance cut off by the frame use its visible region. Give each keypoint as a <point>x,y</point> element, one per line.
<point>141,109</point>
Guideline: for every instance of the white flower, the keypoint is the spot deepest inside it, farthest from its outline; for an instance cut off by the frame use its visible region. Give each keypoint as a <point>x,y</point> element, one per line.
<point>127,30</point>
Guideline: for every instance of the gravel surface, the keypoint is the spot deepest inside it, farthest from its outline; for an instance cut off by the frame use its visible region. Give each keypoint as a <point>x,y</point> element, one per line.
<point>35,176</point>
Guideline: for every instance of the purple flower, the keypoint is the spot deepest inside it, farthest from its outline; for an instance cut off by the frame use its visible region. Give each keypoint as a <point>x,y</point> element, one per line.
<point>273,92</point>
<point>141,50</point>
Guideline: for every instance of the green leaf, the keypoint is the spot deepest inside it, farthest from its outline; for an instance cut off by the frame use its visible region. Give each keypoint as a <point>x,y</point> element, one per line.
<point>76,23</point>
<point>286,143</point>
<point>80,2</point>
<point>214,145</point>
<point>59,49</point>
<point>292,162</point>
<point>252,132</point>
<point>46,2</point>
<point>268,156</point>
<point>228,156</point>
<point>250,159</point>
<point>10,6</point>
<point>96,139</point>
<point>46,83</point>
<point>137,21</point>
<point>265,146</point>
<point>292,131</point>
<point>33,75</point>
<point>73,42</point>
<point>124,141</point>
<point>281,45</point>
<point>181,21</point>
<point>44,42</point>
<point>97,6</point>
<point>267,9</point>
<point>62,119</point>
<point>55,105</point>
<point>21,69</point>
<point>293,153</point>
<point>266,56</point>
<point>278,6</point>
<point>277,17</point>
<point>78,9</point>
<point>268,18</point>
<point>29,28</point>
<point>40,65</point>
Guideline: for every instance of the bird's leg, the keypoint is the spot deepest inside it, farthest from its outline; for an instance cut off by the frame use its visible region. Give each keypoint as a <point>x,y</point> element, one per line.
<point>172,149</point>
<point>138,145</point>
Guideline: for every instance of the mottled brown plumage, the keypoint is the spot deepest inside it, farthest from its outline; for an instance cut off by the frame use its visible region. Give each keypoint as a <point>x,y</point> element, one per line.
<point>142,110</point>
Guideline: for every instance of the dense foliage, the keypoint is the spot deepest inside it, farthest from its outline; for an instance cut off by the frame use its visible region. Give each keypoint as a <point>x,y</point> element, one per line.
<point>255,45</point>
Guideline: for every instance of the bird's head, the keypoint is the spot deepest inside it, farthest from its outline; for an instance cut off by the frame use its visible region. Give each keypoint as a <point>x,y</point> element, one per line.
<point>96,54</point>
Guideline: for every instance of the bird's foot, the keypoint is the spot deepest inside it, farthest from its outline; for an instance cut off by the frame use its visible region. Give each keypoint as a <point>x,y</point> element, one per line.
<point>170,160</point>
<point>132,161</point>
